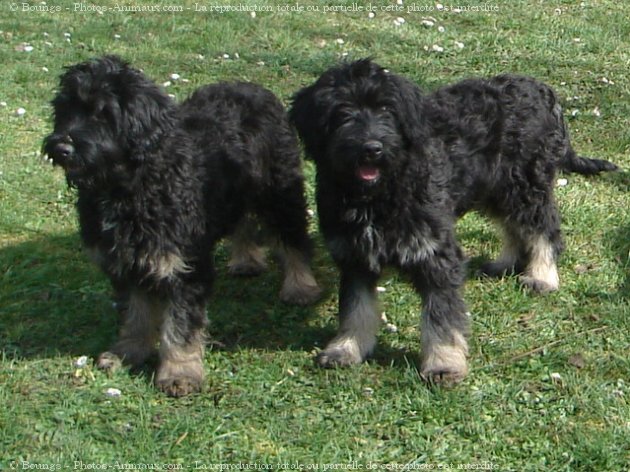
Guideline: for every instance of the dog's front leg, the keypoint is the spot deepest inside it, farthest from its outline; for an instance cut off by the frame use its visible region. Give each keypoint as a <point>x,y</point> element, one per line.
<point>141,317</point>
<point>182,345</point>
<point>358,320</point>
<point>445,322</point>
<point>444,329</point>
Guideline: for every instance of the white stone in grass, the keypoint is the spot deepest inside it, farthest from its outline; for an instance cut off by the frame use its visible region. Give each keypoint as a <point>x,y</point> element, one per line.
<point>441,29</point>
<point>20,112</point>
<point>562,182</point>
<point>339,41</point>
<point>44,69</point>
<point>555,377</point>
<point>575,112</point>
<point>371,15</point>
<point>28,48</point>
<point>3,104</point>
<point>367,391</point>
<point>175,76</point>
<point>237,55</point>
<point>81,362</point>
<point>427,23</point>
<point>113,392</point>
<point>439,7</point>
<point>252,14</point>
<point>459,45</point>
<point>116,36</point>
<point>168,83</point>
<point>226,56</point>
<point>437,48</point>
<point>384,317</point>
<point>597,112</point>
<point>399,2</point>
<point>381,289</point>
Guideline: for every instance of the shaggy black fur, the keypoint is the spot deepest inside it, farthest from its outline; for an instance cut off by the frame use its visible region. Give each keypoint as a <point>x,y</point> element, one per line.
<point>396,168</point>
<point>159,184</point>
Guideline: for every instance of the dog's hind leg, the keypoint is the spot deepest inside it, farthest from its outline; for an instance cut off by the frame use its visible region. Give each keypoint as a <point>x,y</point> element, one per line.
<point>283,210</point>
<point>536,243</point>
<point>182,345</point>
<point>141,319</point>
<point>247,257</point>
<point>359,321</point>
<point>509,261</point>
<point>541,273</point>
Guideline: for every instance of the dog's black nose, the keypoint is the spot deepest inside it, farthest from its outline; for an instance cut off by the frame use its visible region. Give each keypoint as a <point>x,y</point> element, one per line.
<point>373,148</point>
<point>63,150</point>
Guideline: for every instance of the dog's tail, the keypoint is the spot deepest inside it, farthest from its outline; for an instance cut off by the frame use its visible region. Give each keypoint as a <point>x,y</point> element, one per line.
<point>585,165</point>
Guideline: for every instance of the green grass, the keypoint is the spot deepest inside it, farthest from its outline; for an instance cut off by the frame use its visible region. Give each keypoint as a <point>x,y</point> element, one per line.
<point>550,376</point>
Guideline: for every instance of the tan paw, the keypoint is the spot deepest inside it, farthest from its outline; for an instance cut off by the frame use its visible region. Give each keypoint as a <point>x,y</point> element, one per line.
<point>303,294</point>
<point>179,386</point>
<point>108,361</point>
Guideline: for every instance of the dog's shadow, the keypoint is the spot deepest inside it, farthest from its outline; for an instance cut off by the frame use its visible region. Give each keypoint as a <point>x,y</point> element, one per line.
<point>54,301</point>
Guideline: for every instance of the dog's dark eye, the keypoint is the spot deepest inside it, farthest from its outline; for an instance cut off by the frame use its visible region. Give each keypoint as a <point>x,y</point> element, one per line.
<point>343,116</point>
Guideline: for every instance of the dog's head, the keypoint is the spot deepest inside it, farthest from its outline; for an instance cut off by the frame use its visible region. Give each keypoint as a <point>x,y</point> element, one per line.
<point>357,121</point>
<point>107,118</point>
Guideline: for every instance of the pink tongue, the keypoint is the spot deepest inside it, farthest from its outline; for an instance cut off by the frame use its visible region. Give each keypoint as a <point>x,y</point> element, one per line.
<point>368,173</point>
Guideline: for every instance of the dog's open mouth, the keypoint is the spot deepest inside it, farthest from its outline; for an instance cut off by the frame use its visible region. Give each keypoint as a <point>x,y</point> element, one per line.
<point>368,173</point>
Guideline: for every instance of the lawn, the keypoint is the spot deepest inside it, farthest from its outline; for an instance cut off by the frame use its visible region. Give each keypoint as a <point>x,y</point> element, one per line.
<point>549,387</point>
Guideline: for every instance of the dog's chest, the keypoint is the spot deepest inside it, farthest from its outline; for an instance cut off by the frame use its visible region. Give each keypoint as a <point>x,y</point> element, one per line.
<point>380,241</point>
<point>132,247</point>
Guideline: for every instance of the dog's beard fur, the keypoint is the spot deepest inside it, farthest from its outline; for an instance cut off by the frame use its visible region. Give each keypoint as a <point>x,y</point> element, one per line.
<point>361,150</point>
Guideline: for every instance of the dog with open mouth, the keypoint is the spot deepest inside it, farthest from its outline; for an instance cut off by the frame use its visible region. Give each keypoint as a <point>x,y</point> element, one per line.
<point>396,168</point>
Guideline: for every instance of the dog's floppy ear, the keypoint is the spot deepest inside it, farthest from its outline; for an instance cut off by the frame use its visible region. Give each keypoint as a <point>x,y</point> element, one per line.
<point>146,112</point>
<point>408,107</point>
<point>309,115</point>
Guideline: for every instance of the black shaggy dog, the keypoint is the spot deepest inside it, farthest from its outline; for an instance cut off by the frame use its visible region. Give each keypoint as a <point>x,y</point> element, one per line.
<point>159,184</point>
<point>396,168</point>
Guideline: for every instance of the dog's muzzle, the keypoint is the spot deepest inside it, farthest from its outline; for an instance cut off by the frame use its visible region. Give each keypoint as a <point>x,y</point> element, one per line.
<point>368,170</point>
<point>60,150</point>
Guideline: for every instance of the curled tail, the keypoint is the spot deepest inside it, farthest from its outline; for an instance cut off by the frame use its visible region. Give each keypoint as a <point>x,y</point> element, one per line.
<point>585,165</point>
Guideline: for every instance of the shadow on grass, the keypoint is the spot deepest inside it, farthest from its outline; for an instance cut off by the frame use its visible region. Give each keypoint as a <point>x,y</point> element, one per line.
<point>54,301</point>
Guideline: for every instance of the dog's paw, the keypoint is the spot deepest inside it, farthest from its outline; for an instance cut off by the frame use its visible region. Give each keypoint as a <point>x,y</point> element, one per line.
<point>445,364</point>
<point>445,376</point>
<point>179,386</point>
<point>109,362</point>
<point>304,294</point>
<point>538,286</point>
<point>178,379</point>
<point>340,353</point>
